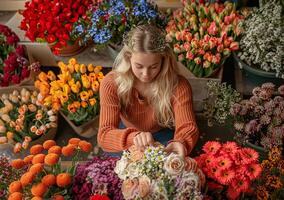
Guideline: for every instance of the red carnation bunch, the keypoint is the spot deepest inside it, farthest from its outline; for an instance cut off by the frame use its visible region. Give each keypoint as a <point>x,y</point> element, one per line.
<point>52,20</point>
<point>13,62</point>
<point>229,168</point>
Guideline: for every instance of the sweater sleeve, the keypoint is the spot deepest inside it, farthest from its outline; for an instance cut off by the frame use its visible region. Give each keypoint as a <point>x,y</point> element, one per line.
<point>186,130</point>
<point>110,138</point>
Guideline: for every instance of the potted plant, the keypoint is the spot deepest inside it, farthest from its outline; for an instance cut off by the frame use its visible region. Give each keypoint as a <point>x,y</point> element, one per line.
<point>24,120</point>
<point>261,44</point>
<point>75,93</point>
<point>52,22</point>
<point>111,19</point>
<point>203,35</point>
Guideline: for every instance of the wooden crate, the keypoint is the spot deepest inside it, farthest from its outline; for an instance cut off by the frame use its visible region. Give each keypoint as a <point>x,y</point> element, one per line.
<point>199,85</point>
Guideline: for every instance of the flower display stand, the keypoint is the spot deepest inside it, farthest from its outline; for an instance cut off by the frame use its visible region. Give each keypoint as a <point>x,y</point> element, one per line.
<point>199,85</point>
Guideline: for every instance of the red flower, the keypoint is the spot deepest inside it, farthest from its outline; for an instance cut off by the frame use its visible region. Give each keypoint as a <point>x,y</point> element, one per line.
<point>25,73</point>
<point>99,197</point>
<point>15,79</point>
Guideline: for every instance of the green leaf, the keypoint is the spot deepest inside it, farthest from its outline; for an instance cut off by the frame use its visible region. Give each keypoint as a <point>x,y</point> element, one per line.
<point>198,71</point>
<point>208,71</point>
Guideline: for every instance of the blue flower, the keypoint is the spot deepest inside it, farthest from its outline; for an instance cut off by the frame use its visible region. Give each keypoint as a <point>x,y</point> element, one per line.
<point>117,9</point>
<point>102,36</point>
<point>79,29</point>
<point>144,9</point>
<point>97,14</point>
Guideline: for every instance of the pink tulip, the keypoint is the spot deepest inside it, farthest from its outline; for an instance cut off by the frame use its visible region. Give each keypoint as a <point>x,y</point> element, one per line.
<point>213,29</point>
<point>234,46</point>
<point>180,57</point>
<point>188,37</point>
<point>177,48</point>
<point>220,48</point>
<point>178,36</point>
<point>208,56</point>
<point>197,60</point>
<point>189,55</point>
<point>201,52</point>
<point>187,46</point>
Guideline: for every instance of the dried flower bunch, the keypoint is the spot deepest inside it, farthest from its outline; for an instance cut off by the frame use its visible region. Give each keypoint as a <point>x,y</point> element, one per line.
<point>46,177</point>
<point>262,40</point>
<point>23,119</point>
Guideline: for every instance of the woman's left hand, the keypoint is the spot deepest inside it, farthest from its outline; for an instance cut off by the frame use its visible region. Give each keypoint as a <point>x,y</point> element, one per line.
<point>177,148</point>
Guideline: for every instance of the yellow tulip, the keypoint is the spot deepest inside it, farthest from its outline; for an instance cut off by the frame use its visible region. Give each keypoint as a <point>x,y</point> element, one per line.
<point>77,67</point>
<point>90,67</point>
<point>100,75</point>
<point>56,106</point>
<point>100,79</point>
<point>84,96</point>
<point>98,69</point>
<point>85,81</point>
<point>77,104</point>
<point>44,89</point>
<point>61,64</point>
<point>66,89</point>
<point>95,86</point>
<point>63,98</point>
<point>71,68</point>
<point>75,88</point>
<point>71,82</point>
<point>92,101</point>
<point>72,61</point>
<point>78,84</point>
<point>83,69</point>
<point>48,100</point>
<point>37,83</point>
<point>92,77</point>
<point>91,93</point>
<point>71,108</point>
<point>42,76</point>
<point>51,76</point>
<point>84,104</point>
<point>55,85</point>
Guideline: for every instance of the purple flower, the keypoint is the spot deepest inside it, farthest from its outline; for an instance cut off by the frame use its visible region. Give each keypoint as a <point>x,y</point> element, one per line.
<point>259,110</point>
<point>265,119</point>
<point>264,95</point>
<point>235,109</point>
<point>281,90</point>
<point>252,127</point>
<point>269,106</point>
<point>255,100</point>
<point>269,87</point>
<point>256,91</point>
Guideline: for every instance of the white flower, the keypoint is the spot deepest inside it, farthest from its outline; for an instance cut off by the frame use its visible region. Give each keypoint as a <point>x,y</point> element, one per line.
<point>174,164</point>
<point>6,118</point>
<point>23,91</point>
<point>4,96</point>
<point>52,118</point>
<point>120,168</point>
<point>16,93</point>
<point>132,170</point>
<point>190,177</point>
<point>50,112</point>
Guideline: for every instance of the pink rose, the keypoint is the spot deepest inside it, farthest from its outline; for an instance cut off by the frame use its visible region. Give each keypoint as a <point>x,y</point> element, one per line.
<point>187,46</point>
<point>144,186</point>
<point>234,46</point>
<point>189,55</point>
<point>180,57</point>
<point>174,164</point>
<point>129,188</point>
<point>212,29</point>
<point>220,48</point>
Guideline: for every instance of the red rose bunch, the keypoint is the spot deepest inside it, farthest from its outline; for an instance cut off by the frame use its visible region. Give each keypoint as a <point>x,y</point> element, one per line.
<point>52,20</point>
<point>13,63</point>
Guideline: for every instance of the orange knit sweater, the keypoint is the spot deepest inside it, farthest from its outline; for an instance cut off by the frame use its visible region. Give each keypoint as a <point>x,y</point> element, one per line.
<point>140,117</point>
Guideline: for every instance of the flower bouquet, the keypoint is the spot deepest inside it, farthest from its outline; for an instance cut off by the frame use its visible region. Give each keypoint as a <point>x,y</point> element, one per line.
<point>23,120</point>
<point>52,21</point>
<point>46,177</point>
<point>96,180</point>
<point>7,175</point>
<point>14,65</point>
<point>153,174</point>
<point>111,19</point>
<point>204,35</point>
<point>230,169</point>
<point>264,51</point>
<point>75,93</point>
<point>270,184</point>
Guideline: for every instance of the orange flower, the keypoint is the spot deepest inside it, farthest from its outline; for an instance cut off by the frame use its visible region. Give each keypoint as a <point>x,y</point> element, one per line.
<point>63,179</point>
<point>85,146</point>
<point>17,147</point>
<point>18,163</point>
<point>74,141</point>
<point>92,101</point>
<point>27,178</point>
<point>48,180</point>
<point>15,186</point>
<point>55,149</point>
<point>28,159</point>
<point>98,69</point>
<point>58,197</point>
<point>36,149</point>
<point>91,93</point>
<point>71,108</point>
<point>68,150</point>
<point>84,104</point>
<point>51,159</point>
<point>42,76</point>
<point>84,95</point>
<point>51,76</point>
<point>72,61</point>
<point>37,198</point>
<point>36,168</point>
<point>83,68</point>
<point>38,189</point>
<point>48,144</point>
<point>95,86</point>
<point>39,158</point>
<point>16,196</point>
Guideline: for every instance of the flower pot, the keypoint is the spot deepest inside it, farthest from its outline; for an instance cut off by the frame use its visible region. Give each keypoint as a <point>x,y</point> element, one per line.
<point>71,49</point>
<point>263,154</point>
<point>257,76</point>
<point>87,130</point>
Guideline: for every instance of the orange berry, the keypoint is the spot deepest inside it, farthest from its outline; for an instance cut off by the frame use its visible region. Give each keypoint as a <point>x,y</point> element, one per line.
<point>48,180</point>
<point>48,144</point>
<point>15,186</point>
<point>74,141</point>
<point>51,159</point>
<point>68,150</point>
<point>63,179</point>
<point>17,163</point>
<point>37,198</point>
<point>39,158</point>
<point>85,146</point>
<point>58,197</point>
<point>36,149</point>
<point>16,196</point>
<point>36,168</point>
<point>28,159</point>
<point>27,178</point>
<point>55,149</point>
<point>38,189</point>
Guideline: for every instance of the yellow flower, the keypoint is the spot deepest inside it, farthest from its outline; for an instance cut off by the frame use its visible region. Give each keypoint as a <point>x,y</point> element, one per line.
<point>95,86</point>
<point>66,89</point>
<point>61,64</point>
<point>71,68</point>
<point>71,82</point>
<point>84,104</point>
<point>100,79</point>
<point>72,61</point>
<point>90,67</point>
<point>261,193</point>
<point>84,95</point>
<point>92,77</point>
<point>274,154</point>
<point>48,100</point>
<point>71,108</point>
<point>77,104</point>
<point>51,76</point>
<point>98,69</point>
<point>273,182</point>
<point>77,67</point>
<point>92,101</point>
<point>63,98</point>
<point>75,88</point>
<point>37,83</point>
<point>78,84</point>
<point>281,166</point>
<point>85,81</point>
<point>56,105</point>
<point>100,75</point>
<point>91,93</point>
<point>44,88</point>
<point>83,69</point>
<point>55,85</point>
<point>42,76</point>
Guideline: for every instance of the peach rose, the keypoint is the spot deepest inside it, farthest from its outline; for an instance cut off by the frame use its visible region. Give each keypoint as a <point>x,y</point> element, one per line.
<point>135,154</point>
<point>174,164</point>
<point>144,186</point>
<point>129,188</point>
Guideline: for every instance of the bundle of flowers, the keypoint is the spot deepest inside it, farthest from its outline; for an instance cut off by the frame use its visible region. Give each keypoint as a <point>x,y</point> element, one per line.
<point>46,177</point>
<point>52,20</point>
<point>75,92</point>
<point>229,168</point>
<point>153,174</point>
<point>7,175</point>
<point>265,50</point>
<point>204,35</point>
<point>23,119</point>
<point>111,19</point>
<point>97,180</point>
<point>260,119</point>
<point>270,184</point>
<point>13,61</point>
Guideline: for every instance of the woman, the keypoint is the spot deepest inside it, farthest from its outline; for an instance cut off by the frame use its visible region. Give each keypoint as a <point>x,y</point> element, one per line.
<point>143,99</point>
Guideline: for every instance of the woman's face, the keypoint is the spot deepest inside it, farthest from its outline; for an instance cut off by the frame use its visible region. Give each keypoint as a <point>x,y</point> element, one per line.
<point>146,66</point>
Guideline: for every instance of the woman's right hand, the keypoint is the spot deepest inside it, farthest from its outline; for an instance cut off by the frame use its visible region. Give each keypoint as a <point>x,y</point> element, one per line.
<point>142,140</point>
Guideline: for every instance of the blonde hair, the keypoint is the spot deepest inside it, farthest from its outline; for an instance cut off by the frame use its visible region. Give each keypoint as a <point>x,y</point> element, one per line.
<point>148,39</point>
